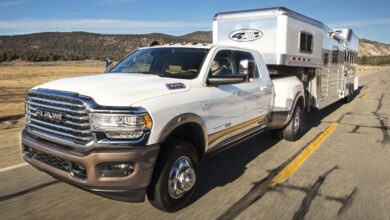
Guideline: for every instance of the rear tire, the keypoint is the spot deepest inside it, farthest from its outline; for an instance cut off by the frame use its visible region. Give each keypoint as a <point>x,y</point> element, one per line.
<point>292,131</point>
<point>175,177</point>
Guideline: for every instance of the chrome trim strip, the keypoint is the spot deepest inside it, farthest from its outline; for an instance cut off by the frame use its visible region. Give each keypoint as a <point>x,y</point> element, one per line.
<point>60,126</point>
<point>56,132</point>
<point>228,135</point>
<point>56,108</point>
<point>56,102</point>
<point>85,125</point>
<point>79,118</point>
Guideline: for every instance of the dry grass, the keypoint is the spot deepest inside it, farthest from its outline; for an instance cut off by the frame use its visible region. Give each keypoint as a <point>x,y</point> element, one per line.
<point>16,79</point>
<point>363,70</point>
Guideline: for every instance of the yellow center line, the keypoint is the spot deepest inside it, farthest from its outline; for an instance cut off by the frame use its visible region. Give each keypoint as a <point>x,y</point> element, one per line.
<point>301,158</point>
<point>365,95</point>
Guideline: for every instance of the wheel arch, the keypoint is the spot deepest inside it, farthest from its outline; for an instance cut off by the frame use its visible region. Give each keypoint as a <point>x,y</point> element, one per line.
<point>189,127</point>
<point>299,100</point>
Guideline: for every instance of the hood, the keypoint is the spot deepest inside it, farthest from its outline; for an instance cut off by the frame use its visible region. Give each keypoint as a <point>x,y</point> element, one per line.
<point>117,89</point>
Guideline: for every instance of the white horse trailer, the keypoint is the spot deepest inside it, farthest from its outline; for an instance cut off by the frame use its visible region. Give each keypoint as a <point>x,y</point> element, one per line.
<point>293,44</point>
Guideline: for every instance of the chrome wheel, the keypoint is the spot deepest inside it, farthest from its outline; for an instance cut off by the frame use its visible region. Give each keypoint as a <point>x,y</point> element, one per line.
<point>181,177</point>
<point>297,121</point>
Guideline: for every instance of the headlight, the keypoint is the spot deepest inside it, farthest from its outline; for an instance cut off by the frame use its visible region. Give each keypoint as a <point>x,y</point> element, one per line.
<point>121,126</point>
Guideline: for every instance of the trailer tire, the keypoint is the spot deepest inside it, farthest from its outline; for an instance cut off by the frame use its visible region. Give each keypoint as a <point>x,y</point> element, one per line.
<point>175,176</point>
<point>349,97</point>
<point>292,131</point>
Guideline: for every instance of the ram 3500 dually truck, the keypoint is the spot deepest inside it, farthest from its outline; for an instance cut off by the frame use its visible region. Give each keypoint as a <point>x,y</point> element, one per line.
<point>143,127</point>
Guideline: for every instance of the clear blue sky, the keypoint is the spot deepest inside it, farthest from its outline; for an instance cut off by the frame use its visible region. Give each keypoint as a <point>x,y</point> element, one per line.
<point>369,18</point>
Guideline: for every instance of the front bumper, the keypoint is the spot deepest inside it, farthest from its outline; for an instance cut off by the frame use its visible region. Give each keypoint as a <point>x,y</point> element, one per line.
<point>134,185</point>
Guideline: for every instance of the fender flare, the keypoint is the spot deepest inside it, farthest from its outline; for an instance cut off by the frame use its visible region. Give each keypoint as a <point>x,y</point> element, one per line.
<point>181,120</point>
<point>297,97</point>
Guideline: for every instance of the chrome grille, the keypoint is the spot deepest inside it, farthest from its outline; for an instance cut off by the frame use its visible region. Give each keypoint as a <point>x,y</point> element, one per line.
<point>58,117</point>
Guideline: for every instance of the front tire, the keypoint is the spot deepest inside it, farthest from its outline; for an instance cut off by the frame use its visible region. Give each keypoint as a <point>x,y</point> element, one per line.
<point>292,131</point>
<point>175,177</point>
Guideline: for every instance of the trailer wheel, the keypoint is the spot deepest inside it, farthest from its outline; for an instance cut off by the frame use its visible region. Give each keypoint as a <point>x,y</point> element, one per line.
<point>349,98</point>
<point>175,177</point>
<point>292,131</point>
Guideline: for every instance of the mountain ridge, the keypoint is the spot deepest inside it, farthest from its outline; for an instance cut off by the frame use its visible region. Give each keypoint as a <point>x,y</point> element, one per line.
<point>51,46</point>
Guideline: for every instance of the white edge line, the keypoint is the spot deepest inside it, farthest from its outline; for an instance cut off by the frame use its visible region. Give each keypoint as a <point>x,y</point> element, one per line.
<point>13,167</point>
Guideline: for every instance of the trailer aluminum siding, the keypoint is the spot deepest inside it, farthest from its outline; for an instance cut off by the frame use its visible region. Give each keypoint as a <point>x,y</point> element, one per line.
<point>276,33</point>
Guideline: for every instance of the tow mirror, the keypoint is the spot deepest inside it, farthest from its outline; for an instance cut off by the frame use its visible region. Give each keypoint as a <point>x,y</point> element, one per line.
<point>109,64</point>
<point>247,68</point>
<point>244,67</point>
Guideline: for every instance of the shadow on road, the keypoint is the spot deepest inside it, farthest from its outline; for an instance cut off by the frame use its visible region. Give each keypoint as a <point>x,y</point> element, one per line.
<point>227,166</point>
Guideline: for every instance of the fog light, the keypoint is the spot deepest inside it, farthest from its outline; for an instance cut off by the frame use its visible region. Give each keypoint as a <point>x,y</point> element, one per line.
<point>124,135</point>
<point>78,170</point>
<point>116,169</point>
<point>27,151</point>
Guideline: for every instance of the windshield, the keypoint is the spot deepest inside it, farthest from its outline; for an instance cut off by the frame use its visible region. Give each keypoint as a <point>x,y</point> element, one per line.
<point>184,63</point>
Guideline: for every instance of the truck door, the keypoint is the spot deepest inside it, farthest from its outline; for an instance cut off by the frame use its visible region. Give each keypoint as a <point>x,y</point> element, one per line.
<point>227,103</point>
<point>257,92</point>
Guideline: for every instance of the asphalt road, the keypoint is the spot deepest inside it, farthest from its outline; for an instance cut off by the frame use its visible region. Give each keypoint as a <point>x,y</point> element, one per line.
<point>346,177</point>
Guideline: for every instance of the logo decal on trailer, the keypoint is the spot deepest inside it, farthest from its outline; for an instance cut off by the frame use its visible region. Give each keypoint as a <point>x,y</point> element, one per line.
<point>245,35</point>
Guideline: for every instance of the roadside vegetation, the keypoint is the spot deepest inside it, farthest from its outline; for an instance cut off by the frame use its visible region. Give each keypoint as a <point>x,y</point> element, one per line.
<point>374,60</point>
<point>68,46</point>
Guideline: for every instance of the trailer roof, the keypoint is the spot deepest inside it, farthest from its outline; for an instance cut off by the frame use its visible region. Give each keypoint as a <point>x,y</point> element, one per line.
<point>266,12</point>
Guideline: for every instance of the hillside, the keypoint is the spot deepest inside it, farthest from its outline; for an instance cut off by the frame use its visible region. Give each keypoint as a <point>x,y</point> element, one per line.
<point>373,48</point>
<point>52,46</point>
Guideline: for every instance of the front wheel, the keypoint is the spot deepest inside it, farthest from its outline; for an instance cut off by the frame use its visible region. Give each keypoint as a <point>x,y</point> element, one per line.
<point>292,131</point>
<point>175,177</point>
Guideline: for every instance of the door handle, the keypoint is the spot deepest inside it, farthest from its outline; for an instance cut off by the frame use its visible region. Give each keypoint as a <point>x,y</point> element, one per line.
<point>263,88</point>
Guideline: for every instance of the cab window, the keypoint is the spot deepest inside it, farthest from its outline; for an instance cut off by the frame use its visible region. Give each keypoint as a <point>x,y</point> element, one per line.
<point>223,64</point>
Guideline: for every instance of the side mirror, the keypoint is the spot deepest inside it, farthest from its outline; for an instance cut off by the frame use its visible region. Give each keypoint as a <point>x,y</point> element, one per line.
<point>244,67</point>
<point>247,68</point>
<point>109,64</point>
<point>226,79</point>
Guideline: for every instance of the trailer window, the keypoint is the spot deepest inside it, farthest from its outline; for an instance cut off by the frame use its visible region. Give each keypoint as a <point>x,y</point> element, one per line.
<point>306,42</point>
<point>326,58</point>
<point>335,54</point>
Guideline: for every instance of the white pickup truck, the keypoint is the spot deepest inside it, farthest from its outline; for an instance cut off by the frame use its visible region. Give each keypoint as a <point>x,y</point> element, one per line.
<point>143,127</point>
